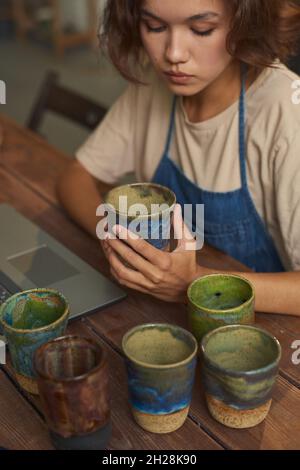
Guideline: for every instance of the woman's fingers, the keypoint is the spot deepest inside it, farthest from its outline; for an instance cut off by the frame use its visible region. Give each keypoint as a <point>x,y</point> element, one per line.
<point>128,275</point>
<point>129,284</point>
<point>182,233</point>
<point>105,248</point>
<point>150,271</point>
<point>153,255</point>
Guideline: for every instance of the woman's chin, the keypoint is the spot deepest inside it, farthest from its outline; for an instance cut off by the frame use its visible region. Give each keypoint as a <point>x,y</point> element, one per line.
<point>184,90</point>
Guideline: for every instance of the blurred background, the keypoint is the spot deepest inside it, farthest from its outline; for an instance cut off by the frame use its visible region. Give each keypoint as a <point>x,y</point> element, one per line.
<point>38,36</point>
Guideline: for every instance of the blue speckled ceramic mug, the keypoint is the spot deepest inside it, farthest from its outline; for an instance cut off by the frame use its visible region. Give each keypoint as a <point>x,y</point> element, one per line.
<point>30,319</point>
<point>145,209</point>
<point>240,367</point>
<point>161,361</point>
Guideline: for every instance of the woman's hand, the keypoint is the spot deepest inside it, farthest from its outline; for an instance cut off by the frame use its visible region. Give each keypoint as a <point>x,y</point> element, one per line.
<point>105,248</point>
<point>161,274</point>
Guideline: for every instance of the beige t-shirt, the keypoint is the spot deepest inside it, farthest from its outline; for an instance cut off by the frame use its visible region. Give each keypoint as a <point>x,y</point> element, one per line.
<point>133,135</point>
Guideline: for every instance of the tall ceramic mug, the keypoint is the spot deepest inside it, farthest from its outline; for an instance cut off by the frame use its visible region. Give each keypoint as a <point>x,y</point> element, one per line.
<point>30,319</point>
<point>217,300</point>
<point>161,361</point>
<point>73,384</point>
<point>145,209</point>
<point>240,367</point>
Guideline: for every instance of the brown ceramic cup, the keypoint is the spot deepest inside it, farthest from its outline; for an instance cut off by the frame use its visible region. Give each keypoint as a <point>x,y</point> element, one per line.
<point>72,377</point>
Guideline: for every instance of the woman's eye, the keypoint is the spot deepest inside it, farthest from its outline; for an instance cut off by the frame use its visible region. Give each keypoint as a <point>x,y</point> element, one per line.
<point>160,29</point>
<point>203,33</point>
<point>152,29</point>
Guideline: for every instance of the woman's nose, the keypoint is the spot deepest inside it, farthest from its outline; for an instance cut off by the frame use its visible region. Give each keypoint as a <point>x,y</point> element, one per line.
<point>176,50</point>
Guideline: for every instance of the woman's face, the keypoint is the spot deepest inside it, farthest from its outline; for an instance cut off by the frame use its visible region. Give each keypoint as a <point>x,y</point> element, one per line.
<point>186,37</point>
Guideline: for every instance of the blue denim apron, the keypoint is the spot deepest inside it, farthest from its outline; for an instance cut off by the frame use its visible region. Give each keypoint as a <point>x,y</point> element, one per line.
<point>231,221</point>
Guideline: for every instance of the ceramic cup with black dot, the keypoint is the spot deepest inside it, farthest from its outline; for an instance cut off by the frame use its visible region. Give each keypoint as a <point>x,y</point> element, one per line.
<point>217,300</point>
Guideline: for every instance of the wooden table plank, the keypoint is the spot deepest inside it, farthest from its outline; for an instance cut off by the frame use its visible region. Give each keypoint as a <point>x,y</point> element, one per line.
<point>29,157</point>
<point>20,427</point>
<point>287,330</point>
<point>280,430</point>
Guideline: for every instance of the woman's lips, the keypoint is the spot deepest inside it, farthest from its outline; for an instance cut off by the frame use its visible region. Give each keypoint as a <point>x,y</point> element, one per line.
<point>179,79</point>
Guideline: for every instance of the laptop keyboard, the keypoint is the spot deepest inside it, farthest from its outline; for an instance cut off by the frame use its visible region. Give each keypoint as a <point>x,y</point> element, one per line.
<point>4,294</point>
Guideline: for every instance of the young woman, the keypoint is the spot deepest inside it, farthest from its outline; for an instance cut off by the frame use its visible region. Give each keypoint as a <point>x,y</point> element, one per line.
<point>213,116</point>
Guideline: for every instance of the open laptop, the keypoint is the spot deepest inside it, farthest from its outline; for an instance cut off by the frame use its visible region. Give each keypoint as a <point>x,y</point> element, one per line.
<point>30,258</point>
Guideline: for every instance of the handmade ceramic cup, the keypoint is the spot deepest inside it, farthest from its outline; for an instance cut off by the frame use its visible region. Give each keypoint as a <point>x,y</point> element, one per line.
<point>30,319</point>
<point>161,362</point>
<point>240,366</point>
<point>73,385</point>
<point>145,209</point>
<point>217,300</point>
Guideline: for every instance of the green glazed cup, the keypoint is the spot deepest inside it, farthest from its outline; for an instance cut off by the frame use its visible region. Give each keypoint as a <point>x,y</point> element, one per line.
<point>161,361</point>
<point>217,300</point>
<point>30,319</point>
<point>240,367</point>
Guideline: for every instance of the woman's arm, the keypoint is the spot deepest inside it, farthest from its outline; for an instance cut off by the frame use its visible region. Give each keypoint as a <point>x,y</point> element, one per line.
<point>168,275</point>
<point>275,292</point>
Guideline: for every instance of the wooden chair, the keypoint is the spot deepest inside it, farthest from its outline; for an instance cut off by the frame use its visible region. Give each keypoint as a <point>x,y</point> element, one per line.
<point>294,64</point>
<point>67,103</point>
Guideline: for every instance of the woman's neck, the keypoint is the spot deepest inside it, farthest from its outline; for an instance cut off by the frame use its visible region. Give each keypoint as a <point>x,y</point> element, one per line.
<point>219,95</point>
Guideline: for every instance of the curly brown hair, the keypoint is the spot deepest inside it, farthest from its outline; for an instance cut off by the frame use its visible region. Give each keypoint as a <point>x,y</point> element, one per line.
<point>260,32</point>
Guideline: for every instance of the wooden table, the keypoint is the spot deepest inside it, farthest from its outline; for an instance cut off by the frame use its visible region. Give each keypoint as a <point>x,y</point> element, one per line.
<point>29,169</point>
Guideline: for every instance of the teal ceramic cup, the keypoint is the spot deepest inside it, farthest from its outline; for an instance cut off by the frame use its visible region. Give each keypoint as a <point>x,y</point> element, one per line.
<point>30,319</point>
<point>240,367</point>
<point>161,361</point>
<point>217,300</point>
<point>145,209</point>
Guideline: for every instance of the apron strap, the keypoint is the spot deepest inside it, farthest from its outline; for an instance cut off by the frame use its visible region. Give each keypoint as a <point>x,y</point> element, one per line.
<point>171,126</point>
<point>242,126</point>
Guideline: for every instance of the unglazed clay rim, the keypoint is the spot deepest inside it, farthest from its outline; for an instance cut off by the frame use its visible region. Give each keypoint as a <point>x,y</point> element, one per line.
<point>160,325</point>
<point>43,328</point>
<point>51,378</point>
<point>229,310</point>
<point>270,366</point>
<point>148,216</point>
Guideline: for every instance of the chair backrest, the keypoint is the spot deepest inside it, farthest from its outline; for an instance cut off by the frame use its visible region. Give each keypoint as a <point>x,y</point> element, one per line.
<point>65,102</point>
<point>294,64</point>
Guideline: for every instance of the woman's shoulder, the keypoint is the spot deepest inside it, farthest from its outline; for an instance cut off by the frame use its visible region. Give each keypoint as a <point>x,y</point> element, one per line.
<point>276,88</point>
<point>275,98</point>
